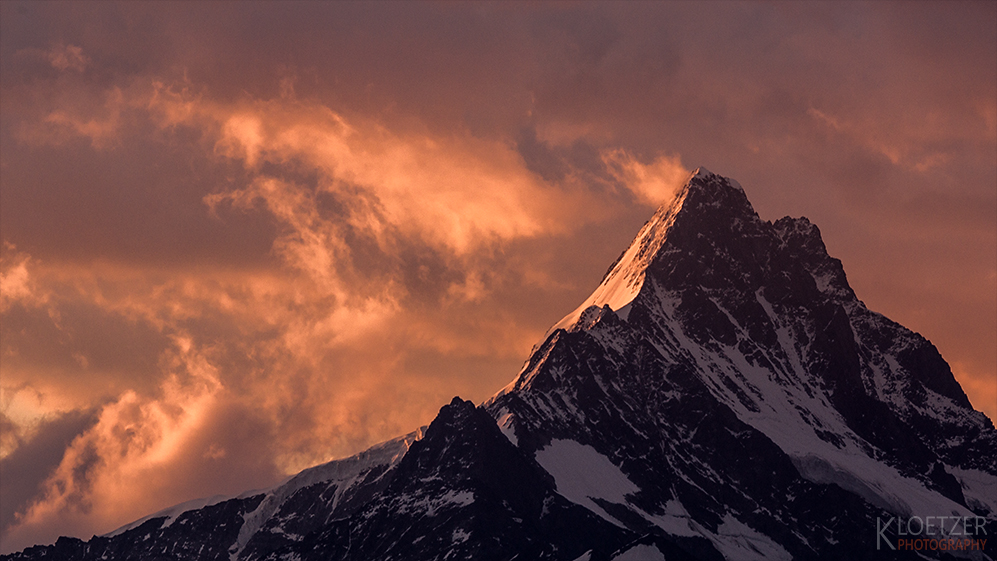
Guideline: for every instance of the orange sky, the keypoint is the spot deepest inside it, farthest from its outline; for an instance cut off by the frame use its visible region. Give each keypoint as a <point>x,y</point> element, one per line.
<point>241,239</point>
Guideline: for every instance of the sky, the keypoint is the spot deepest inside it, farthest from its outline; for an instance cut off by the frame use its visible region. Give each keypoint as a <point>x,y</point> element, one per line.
<point>240,239</point>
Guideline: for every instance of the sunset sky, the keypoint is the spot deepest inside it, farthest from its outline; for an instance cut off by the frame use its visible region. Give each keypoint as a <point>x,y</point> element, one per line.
<point>240,239</point>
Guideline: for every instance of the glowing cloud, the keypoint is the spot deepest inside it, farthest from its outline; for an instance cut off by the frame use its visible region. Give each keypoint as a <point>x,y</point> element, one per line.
<point>119,467</point>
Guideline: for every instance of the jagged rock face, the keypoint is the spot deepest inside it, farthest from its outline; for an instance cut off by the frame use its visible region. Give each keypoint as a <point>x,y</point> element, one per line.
<point>465,491</point>
<point>722,394</point>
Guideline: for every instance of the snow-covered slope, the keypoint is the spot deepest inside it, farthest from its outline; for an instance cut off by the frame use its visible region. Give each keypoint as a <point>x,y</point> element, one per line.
<point>723,394</point>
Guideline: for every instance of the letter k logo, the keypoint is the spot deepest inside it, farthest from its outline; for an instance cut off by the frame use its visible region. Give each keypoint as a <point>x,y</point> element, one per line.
<point>880,536</point>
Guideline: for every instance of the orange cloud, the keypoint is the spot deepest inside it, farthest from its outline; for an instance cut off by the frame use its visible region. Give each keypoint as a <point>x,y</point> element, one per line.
<point>16,283</point>
<point>117,469</point>
<point>98,121</point>
<point>68,57</point>
<point>653,183</point>
<point>458,192</point>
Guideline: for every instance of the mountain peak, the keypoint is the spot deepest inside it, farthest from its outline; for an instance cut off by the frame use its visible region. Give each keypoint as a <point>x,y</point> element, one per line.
<point>704,192</point>
<point>737,342</point>
<point>708,205</point>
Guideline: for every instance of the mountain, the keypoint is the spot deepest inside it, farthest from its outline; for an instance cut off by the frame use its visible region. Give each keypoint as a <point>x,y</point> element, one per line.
<point>723,394</point>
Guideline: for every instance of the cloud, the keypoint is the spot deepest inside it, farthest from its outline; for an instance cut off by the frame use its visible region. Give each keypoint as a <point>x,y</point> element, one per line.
<point>16,284</point>
<point>68,57</point>
<point>125,460</point>
<point>34,457</point>
<point>653,183</point>
<point>456,192</point>
<point>98,119</point>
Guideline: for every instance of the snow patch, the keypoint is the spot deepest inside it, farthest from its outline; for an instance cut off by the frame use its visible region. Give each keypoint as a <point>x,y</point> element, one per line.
<point>880,484</point>
<point>431,505</point>
<point>624,312</point>
<point>979,487</point>
<point>739,542</point>
<point>820,470</point>
<point>505,425</point>
<point>462,498</point>
<point>676,520</point>
<point>641,552</point>
<point>582,474</point>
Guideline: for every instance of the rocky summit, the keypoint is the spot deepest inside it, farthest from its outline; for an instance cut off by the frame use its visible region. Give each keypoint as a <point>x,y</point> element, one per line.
<point>723,394</point>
